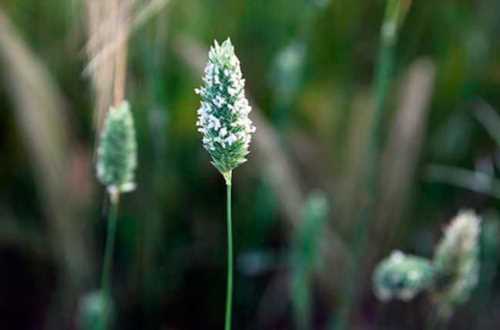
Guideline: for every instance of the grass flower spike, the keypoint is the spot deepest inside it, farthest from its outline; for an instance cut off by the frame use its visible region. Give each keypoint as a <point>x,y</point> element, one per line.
<point>116,164</point>
<point>223,115</point>
<point>456,261</point>
<point>449,278</point>
<point>227,130</point>
<point>402,276</point>
<point>117,152</point>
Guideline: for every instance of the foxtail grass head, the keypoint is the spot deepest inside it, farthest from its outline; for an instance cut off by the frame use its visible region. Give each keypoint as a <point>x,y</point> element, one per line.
<point>402,277</point>
<point>92,310</point>
<point>117,151</point>
<point>223,115</point>
<point>456,261</point>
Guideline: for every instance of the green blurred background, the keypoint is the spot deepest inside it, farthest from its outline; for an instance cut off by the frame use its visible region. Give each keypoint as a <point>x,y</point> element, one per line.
<point>361,147</point>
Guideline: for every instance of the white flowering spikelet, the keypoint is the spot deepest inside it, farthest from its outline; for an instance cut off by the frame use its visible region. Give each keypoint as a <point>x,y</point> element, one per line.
<point>402,276</point>
<point>456,261</point>
<point>117,151</point>
<point>223,116</point>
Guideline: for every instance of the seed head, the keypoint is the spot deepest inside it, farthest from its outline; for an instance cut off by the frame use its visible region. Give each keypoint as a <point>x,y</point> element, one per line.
<point>223,114</point>
<point>456,261</point>
<point>117,151</point>
<point>402,276</point>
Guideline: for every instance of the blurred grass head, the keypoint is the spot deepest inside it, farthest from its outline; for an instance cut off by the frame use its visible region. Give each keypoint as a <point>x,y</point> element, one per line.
<point>402,276</point>
<point>92,309</point>
<point>117,151</point>
<point>456,261</point>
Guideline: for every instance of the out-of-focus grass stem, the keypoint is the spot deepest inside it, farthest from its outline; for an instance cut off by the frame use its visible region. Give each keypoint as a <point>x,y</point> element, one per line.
<point>395,13</point>
<point>107,266</point>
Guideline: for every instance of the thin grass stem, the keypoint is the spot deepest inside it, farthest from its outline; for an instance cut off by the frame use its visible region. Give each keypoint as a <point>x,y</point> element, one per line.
<point>395,12</point>
<point>229,294</point>
<point>108,260</point>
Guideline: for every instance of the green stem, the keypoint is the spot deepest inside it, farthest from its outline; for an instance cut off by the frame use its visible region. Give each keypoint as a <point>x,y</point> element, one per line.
<point>108,259</point>
<point>229,293</point>
<point>394,15</point>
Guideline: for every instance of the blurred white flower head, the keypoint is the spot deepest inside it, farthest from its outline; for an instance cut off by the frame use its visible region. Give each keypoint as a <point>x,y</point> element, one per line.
<point>456,260</point>
<point>402,276</point>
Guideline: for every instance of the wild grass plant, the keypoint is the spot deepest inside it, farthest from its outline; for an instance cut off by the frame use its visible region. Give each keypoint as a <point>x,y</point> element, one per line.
<point>116,164</point>
<point>227,131</point>
<point>449,277</point>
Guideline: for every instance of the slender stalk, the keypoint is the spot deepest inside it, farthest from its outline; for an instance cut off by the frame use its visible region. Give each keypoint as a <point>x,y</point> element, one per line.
<point>108,259</point>
<point>229,293</point>
<point>394,15</point>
